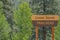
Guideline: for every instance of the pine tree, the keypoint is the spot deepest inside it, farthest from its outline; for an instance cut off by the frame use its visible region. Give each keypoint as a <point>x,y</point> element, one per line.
<point>8,13</point>
<point>22,18</point>
<point>4,26</point>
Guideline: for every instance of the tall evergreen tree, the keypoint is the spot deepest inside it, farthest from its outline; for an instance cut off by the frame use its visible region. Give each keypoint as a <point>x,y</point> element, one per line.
<point>8,12</point>
<point>4,26</point>
<point>22,18</point>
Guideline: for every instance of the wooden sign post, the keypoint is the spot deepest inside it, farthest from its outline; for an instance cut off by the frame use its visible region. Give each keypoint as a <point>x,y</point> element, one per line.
<point>45,20</point>
<point>52,32</point>
<point>36,32</point>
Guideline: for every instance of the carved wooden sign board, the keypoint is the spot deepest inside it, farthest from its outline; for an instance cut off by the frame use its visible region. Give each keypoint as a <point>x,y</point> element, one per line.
<point>45,20</point>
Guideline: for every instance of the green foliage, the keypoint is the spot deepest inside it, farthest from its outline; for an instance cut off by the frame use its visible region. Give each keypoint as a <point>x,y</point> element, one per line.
<point>1,4</point>
<point>57,31</point>
<point>8,13</point>
<point>44,6</point>
<point>4,26</point>
<point>22,18</point>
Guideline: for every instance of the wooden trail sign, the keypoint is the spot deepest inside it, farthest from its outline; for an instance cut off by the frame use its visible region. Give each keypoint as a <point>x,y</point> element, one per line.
<point>44,20</point>
<point>45,17</point>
